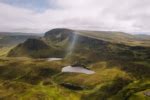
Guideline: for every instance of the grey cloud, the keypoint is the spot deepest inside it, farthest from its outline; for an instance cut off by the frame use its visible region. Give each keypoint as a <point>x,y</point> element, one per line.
<point>118,15</point>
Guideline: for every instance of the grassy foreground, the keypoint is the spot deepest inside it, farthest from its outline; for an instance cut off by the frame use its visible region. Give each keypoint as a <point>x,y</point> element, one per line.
<point>37,79</point>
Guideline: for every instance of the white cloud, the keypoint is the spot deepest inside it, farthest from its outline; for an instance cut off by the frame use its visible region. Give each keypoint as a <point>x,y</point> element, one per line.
<point>118,15</point>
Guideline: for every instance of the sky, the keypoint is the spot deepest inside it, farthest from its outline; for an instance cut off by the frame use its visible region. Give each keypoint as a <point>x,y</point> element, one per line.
<point>38,16</point>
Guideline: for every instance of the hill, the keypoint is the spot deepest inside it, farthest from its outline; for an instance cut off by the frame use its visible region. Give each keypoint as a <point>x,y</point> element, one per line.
<point>99,45</point>
<point>32,48</point>
<point>80,46</point>
<point>9,40</point>
<point>118,37</point>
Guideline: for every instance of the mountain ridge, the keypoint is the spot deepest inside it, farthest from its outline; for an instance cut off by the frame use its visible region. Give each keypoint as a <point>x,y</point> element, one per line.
<point>69,44</point>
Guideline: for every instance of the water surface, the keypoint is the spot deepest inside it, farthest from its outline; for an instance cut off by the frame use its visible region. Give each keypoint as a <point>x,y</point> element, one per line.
<point>77,70</point>
<point>54,59</point>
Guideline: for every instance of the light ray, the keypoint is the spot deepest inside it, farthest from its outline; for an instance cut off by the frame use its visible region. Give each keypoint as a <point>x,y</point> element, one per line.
<point>72,45</point>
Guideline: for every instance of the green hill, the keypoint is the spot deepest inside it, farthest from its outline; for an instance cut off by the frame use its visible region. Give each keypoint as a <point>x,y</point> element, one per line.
<point>80,46</point>
<point>119,37</point>
<point>9,40</point>
<point>35,48</point>
<point>99,45</point>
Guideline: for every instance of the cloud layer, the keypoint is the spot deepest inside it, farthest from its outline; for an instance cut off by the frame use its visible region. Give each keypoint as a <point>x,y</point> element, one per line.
<point>117,15</point>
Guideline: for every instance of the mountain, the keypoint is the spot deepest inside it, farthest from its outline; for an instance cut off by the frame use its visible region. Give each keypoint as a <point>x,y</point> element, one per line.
<point>82,45</point>
<point>98,45</point>
<point>108,36</point>
<point>32,48</point>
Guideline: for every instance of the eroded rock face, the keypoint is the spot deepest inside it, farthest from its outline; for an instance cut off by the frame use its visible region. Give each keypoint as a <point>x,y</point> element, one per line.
<point>59,34</point>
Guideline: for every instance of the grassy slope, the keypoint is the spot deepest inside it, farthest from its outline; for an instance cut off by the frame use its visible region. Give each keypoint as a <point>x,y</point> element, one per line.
<point>25,78</point>
<point>118,37</point>
<point>17,90</point>
<point>4,50</point>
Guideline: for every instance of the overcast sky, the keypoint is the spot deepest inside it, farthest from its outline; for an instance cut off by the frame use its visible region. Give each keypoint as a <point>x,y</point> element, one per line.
<point>43,15</point>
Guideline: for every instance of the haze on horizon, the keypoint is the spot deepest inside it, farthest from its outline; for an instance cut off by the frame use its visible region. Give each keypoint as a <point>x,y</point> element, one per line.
<point>109,15</point>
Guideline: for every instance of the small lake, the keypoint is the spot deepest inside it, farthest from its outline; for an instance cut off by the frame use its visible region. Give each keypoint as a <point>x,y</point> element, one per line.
<point>54,59</point>
<point>77,70</point>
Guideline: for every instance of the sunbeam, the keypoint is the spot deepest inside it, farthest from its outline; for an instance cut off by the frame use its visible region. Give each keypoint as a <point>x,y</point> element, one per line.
<point>72,45</point>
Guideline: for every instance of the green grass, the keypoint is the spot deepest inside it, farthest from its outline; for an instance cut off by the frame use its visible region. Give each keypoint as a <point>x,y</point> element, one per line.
<point>4,50</point>
<point>21,91</point>
<point>140,96</point>
<point>23,78</point>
